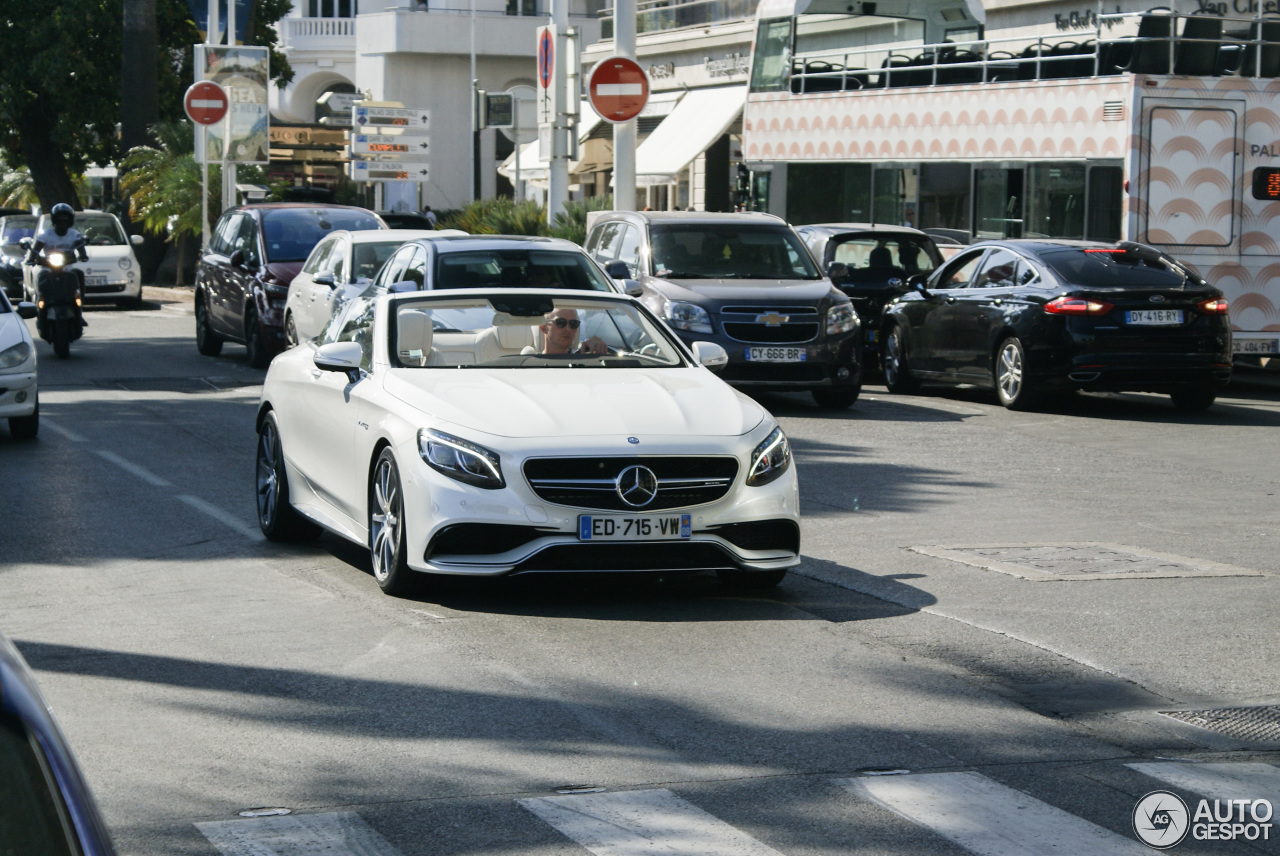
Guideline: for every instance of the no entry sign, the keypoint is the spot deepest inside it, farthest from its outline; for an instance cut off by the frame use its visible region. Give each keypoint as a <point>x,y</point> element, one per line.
<point>205,103</point>
<point>618,89</point>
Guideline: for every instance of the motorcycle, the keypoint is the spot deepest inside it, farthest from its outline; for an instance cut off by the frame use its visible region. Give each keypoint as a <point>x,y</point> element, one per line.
<point>59,315</point>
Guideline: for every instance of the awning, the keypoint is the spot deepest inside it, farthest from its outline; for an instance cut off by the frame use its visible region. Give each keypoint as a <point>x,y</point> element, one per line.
<point>701,118</point>
<point>537,169</point>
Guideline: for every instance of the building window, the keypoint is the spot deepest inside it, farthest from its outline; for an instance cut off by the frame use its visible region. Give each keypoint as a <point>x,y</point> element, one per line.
<point>331,8</point>
<point>527,8</point>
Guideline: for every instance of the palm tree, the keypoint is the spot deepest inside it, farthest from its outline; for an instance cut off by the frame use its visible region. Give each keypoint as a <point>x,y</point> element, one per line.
<point>16,188</point>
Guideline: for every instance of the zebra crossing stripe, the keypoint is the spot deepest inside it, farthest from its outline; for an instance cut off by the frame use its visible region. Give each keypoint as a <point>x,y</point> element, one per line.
<point>643,823</point>
<point>1235,781</point>
<point>987,818</point>
<point>334,834</point>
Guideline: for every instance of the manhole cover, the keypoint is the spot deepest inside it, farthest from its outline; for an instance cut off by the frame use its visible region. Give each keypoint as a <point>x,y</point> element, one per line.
<point>1256,724</point>
<point>1082,561</point>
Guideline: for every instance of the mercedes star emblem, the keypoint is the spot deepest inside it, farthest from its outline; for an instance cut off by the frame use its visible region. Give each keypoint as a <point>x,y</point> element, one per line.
<point>1157,298</point>
<point>637,486</point>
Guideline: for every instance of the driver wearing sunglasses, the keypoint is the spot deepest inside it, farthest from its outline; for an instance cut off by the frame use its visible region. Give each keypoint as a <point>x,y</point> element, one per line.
<point>561,330</point>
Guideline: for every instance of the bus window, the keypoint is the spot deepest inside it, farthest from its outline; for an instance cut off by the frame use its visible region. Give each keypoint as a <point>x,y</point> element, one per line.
<point>1106,196</point>
<point>772,56</point>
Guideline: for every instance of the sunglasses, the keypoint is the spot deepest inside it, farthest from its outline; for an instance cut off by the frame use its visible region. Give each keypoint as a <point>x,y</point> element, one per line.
<point>571,323</point>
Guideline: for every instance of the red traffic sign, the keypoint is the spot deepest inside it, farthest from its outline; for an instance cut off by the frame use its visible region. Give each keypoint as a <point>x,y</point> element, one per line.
<point>546,57</point>
<point>205,103</point>
<point>618,89</point>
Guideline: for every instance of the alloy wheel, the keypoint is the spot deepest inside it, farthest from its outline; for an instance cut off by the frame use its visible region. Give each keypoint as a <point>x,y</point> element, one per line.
<point>384,521</point>
<point>1009,371</point>
<point>268,481</point>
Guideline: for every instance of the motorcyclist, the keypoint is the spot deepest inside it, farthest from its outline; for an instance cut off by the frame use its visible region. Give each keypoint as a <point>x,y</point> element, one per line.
<point>62,236</point>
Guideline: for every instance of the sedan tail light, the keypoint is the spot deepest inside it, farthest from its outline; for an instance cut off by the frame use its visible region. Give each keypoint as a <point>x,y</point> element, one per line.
<point>1215,306</point>
<point>1077,306</point>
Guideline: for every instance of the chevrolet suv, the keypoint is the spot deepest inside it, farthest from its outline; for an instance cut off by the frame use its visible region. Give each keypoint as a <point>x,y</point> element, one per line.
<point>745,282</point>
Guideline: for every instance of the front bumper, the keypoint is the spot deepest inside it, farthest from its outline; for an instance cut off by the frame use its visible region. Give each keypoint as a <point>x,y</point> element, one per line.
<point>453,528</point>
<point>828,362</point>
<point>17,394</point>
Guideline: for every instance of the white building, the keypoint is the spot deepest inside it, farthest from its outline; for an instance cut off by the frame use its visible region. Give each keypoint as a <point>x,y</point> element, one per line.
<point>420,54</point>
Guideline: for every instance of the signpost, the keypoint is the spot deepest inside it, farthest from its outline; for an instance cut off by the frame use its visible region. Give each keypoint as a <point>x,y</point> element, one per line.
<point>388,146</point>
<point>363,170</point>
<point>389,142</point>
<point>390,120</point>
<point>618,88</point>
<point>206,104</point>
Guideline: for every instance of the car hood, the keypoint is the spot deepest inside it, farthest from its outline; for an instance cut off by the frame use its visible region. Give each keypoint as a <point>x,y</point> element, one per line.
<point>11,325</point>
<point>737,290</point>
<point>284,272</point>
<point>578,402</point>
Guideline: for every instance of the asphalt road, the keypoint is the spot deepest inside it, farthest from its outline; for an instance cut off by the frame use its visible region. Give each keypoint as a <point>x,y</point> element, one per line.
<point>994,608</point>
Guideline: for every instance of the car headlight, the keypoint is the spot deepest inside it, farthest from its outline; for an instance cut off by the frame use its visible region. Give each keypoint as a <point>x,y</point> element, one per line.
<point>770,459</point>
<point>125,263</point>
<point>687,316</point>
<point>460,459</point>
<point>841,319</point>
<point>15,355</point>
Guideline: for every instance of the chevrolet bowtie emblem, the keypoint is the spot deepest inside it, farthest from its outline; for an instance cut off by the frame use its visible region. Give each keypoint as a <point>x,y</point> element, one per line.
<point>773,319</point>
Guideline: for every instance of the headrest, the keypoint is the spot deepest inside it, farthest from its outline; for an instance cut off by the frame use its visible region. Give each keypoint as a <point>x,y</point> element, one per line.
<point>512,338</point>
<point>413,336</point>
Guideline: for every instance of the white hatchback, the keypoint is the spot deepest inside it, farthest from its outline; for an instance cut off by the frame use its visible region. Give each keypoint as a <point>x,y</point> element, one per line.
<point>511,431</point>
<point>112,272</point>
<point>18,395</point>
<point>342,260</point>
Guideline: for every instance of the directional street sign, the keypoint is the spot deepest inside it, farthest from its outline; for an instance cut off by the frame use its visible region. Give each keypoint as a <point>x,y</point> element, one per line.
<point>390,171</point>
<point>205,103</point>
<point>390,120</point>
<point>390,148</point>
<point>618,89</point>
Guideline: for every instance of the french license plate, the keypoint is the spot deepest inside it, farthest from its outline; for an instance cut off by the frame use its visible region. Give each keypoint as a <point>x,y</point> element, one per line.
<point>648,527</point>
<point>776,355</point>
<point>92,281</point>
<point>1154,317</point>
<point>1256,346</point>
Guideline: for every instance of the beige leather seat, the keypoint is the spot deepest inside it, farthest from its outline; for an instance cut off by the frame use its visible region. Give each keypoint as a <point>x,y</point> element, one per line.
<point>502,341</point>
<point>413,337</point>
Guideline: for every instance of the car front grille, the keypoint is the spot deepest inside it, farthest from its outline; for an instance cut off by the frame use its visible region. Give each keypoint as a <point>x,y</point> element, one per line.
<point>770,325</point>
<point>591,482</point>
<point>773,372</point>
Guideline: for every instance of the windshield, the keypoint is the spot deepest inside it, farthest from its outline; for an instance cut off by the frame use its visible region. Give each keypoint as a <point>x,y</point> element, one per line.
<point>518,269</point>
<point>290,234</point>
<point>748,251</point>
<point>14,229</point>
<point>368,258</point>
<point>1110,267</point>
<point>887,254</point>
<point>526,331</point>
<point>101,230</point>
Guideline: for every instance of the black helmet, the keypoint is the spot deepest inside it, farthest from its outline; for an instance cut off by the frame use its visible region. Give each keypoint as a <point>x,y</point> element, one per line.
<point>62,213</point>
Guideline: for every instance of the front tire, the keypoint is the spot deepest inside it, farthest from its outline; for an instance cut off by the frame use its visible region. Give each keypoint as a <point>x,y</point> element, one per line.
<point>893,362</point>
<point>386,528</point>
<point>1013,386</point>
<point>838,397</point>
<point>1194,400</point>
<point>290,331</point>
<point>25,427</point>
<point>277,519</point>
<point>751,580</point>
<point>62,338</point>
<point>208,342</point>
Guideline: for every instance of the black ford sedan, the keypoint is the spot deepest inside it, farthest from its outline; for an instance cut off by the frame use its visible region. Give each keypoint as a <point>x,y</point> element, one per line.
<point>1032,316</point>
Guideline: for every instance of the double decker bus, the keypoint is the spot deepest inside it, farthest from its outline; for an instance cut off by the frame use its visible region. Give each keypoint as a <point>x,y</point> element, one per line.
<point>1154,125</point>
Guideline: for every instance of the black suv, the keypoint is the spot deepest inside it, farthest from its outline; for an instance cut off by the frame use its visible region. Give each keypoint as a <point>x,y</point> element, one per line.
<point>243,277</point>
<point>745,282</point>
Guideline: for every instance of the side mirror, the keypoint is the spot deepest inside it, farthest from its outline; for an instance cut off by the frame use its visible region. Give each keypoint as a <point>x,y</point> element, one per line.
<point>340,357</point>
<point>237,259</point>
<point>26,309</point>
<point>325,278</point>
<point>618,269</point>
<point>633,288</point>
<point>137,240</point>
<point>26,243</point>
<point>711,355</point>
<point>918,283</point>
<point>837,271</point>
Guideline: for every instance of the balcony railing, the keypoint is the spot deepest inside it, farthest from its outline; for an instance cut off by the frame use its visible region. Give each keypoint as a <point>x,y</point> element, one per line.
<point>305,28</point>
<point>1163,43</point>
<point>658,15</point>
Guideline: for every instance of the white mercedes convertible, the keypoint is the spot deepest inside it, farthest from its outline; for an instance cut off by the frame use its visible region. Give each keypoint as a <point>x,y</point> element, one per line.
<point>493,432</point>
